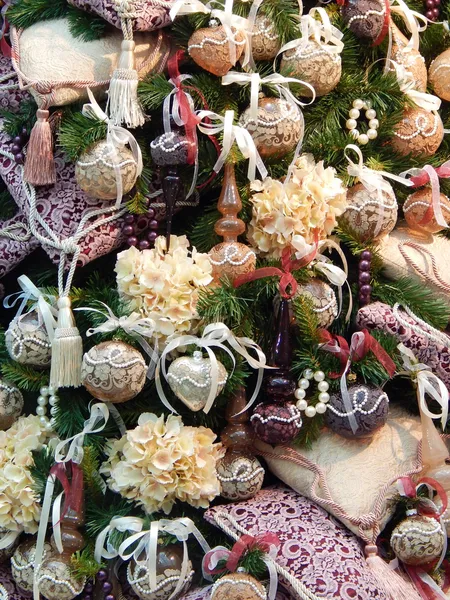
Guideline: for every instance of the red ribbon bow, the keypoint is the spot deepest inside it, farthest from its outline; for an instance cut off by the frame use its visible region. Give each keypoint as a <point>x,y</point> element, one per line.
<point>73,489</point>
<point>288,284</point>
<point>338,346</point>
<point>424,177</point>
<point>409,489</point>
<point>245,543</point>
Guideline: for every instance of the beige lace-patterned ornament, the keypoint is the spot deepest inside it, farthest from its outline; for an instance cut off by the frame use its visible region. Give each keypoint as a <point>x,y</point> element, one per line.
<point>419,132</point>
<point>411,60</point>
<point>238,585</point>
<point>315,64</point>
<point>418,205</point>
<point>439,74</point>
<point>210,48</point>
<point>240,475</point>
<point>11,404</point>
<point>369,216</point>
<point>57,582</point>
<point>27,341</point>
<point>277,129</point>
<point>418,540</point>
<point>23,563</point>
<point>113,371</point>
<point>95,170</point>
<point>323,299</point>
<point>265,39</point>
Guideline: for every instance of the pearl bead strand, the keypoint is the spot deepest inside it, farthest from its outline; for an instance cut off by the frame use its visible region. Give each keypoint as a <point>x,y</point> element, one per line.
<point>351,124</point>
<point>300,393</point>
<point>47,396</point>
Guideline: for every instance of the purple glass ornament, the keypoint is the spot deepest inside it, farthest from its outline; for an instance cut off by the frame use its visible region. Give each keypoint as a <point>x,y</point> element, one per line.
<point>18,140</point>
<point>366,255</point>
<point>152,236</point>
<point>429,15</point>
<point>363,300</point>
<point>19,158</point>
<point>102,575</point>
<point>430,3</point>
<point>364,277</point>
<point>144,245</point>
<point>130,219</point>
<point>276,423</point>
<point>107,587</point>
<point>110,597</point>
<point>16,149</point>
<point>364,265</point>
<point>150,213</point>
<point>437,2</point>
<point>128,230</point>
<point>88,588</point>
<point>153,224</point>
<point>435,12</point>
<point>24,133</point>
<point>87,597</point>
<point>365,290</point>
<point>132,240</point>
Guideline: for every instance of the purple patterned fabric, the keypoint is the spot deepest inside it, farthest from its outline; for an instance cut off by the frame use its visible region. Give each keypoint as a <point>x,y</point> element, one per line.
<point>203,593</point>
<point>425,347</point>
<point>7,581</point>
<point>150,14</point>
<point>315,549</point>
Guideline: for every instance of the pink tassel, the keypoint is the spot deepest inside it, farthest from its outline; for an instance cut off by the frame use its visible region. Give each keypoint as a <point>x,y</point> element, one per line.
<point>40,165</point>
<point>393,585</point>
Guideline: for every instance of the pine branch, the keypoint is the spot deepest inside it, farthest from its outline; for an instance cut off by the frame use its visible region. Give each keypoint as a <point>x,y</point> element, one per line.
<point>83,564</point>
<point>23,376</point>
<point>91,466</point>
<point>8,207</point>
<point>306,320</point>
<point>226,304</point>
<point>25,13</point>
<point>98,516</point>
<point>43,461</point>
<point>202,234</point>
<point>87,27</point>
<point>138,204</point>
<point>25,117</point>
<point>77,133</point>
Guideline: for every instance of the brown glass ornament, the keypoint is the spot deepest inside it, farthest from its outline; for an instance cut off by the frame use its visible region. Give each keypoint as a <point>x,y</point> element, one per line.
<point>323,300</point>
<point>265,39</point>
<point>209,47</point>
<point>279,383</point>
<point>439,74</point>
<point>366,18</point>
<point>418,205</point>
<point>230,258</point>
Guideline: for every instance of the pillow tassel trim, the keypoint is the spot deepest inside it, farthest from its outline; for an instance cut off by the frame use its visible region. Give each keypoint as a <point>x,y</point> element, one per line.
<point>389,581</point>
<point>40,164</point>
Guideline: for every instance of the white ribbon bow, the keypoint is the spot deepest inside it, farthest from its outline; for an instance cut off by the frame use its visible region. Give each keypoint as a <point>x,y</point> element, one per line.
<point>73,452</point>
<point>232,133</point>
<point>426,101</point>
<point>412,20</point>
<point>145,543</point>
<point>135,325</point>
<point>215,335</point>
<point>117,137</point>
<point>41,303</point>
<point>435,191</point>
<point>427,383</point>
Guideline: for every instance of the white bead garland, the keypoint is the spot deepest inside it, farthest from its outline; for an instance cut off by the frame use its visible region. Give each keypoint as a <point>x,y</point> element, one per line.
<point>47,396</point>
<point>323,397</point>
<point>351,124</point>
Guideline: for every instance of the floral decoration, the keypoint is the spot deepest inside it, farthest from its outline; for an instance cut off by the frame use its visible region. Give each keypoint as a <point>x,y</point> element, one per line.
<point>296,213</point>
<point>163,285</point>
<point>20,508</point>
<point>160,462</point>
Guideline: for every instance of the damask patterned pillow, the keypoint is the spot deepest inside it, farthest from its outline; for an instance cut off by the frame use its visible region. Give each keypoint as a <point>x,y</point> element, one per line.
<point>150,14</point>
<point>318,557</point>
<point>204,593</point>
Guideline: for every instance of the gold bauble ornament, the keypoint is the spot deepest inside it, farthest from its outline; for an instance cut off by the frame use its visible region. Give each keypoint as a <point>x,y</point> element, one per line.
<point>439,74</point>
<point>315,64</point>
<point>277,129</point>
<point>23,563</point>
<point>265,39</point>
<point>411,60</point>
<point>95,170</point>
<point>420,132</point>
<point>113,371</point>
<point>11,404</point>
<point>418,540</point>
<point>323,298</point>
<point>168,572</point>
<point>418,205</point>
<point>238,586</point>
<point>57,581</point>
<point>209,47</point>
<point>369,216</point>
<point>231,259</point>
<point>27,341</point>
<point>240,474</point>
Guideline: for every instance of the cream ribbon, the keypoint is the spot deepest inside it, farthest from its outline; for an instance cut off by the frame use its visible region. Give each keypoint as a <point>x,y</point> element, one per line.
<point>103,546</point>
<point>372,180</point>
<point>8,538</point>
<point>147,545</point>
<point>41,303</point>
<point>117,137</point>
<point>423,100</point>
<point>232,133</point>
<point>435,191</point>
<point>70,449</point>
<point>215,335</point>
<point>412,20</point>
<point>134,325</point>
<point>331,244</point>
<point>427,383</point>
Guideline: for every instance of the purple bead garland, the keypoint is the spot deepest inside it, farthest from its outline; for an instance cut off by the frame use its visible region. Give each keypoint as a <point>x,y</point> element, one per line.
<point>432,9</point>
<point>18,144</point>
<point>365,288</point>
<point>106,587</point>
<point>137,225</point>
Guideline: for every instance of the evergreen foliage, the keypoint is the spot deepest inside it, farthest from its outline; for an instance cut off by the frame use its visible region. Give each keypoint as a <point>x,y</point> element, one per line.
<point>24,117</point>
<point>8,207</point>
<point>78,133</point>
<point>24,13</point>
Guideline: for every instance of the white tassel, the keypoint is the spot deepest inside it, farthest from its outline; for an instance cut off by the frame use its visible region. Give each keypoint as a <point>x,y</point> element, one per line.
<point>67,349</point>
<point>124,106</point>
<point>393,585</point>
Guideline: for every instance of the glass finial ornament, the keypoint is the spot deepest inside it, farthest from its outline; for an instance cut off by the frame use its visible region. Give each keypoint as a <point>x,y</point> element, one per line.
<point>230,258</point>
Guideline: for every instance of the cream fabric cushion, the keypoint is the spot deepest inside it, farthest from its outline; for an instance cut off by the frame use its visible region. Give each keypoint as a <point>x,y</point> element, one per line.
<point>355,470</point>
<point>49,52</point>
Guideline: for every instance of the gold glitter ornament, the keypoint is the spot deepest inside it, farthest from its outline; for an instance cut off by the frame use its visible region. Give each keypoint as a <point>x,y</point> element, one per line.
<point>209,47</point>
<point>265,39</point>
<point>323,298</point>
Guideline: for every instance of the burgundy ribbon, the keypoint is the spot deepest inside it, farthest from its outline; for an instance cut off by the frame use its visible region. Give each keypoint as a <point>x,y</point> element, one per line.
<point>288,284</point>
<point>245,543</point>
<point>385,29</point>
<point>410,491</point>
<point>73,489</point>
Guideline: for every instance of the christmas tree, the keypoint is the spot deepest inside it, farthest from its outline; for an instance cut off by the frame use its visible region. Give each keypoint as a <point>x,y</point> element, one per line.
<point>224,251</point>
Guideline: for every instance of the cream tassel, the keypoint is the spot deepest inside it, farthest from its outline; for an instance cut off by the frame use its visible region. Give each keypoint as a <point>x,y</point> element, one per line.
<point>124,106</point>
<point>67,348</point>
<point>40,164</point>
<point>394,586</point>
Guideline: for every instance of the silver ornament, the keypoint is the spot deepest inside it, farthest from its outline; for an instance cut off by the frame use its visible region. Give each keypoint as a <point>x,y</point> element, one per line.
<point>27,341</point>
<point>190,380</point>
<point>418,540</point>
<point>323,299</point>
<point>11,404</point>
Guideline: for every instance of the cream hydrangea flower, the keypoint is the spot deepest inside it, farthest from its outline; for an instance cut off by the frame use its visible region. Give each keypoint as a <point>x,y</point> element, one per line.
<point>164,286</point>
<point>161,461</point>
<point>19,504</point>
<point>293,214</point>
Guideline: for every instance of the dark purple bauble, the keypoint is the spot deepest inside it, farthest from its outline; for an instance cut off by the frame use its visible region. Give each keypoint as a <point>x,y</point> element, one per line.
<point>364,277</point>
<point>153,224</point>
<point>152,235</point>
<point>151,213</point>
<point>130,219</point>
<point>110,597</point>
<point>19,158</point>
<point>370,409</point>
<point>128,230</point>
<point>430,3</point>
<point>170,149</point>
<point>280,386</point>
<point>364,265</point>
<point>362,21</point>
<point>88,588</point>
<point>102,575</point>
<point>18,140</point>
<point>16,149</point>
<point>107,587</point>
<point>87,597</point>
<point>276,423</point>
<point>366,255</point>
<point>437,2</point>
<point>132,240</point>
<point>24,134</point>
<point>365,290</point>
<point>144,245</point>
<point>363,299</point>
<point>430,15</point>
<point>435,12</point>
